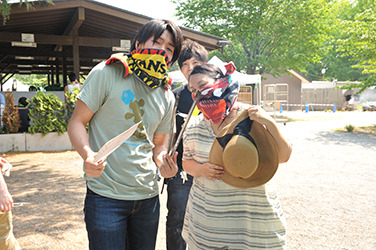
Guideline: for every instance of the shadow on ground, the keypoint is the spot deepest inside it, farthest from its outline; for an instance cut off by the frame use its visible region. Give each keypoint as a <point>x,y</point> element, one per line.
<point>54,190</point>
<point>340,138</point>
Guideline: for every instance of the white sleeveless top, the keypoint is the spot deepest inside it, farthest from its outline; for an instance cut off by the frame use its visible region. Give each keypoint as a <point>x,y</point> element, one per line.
<point>72,86</point>
<point>224,217</point>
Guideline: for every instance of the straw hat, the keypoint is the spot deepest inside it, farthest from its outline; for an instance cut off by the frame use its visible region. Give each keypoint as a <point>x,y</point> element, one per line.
<point>247,152</point>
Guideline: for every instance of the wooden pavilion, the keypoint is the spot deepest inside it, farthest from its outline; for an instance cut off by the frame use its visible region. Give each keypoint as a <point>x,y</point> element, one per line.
<point>71,35</point>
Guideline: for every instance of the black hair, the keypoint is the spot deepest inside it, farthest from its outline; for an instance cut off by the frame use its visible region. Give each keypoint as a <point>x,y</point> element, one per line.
<point>32,88</point>
<point>23,101</point>
<point>155,28</point>
<point>72,77</point>
<point>192,49</point>
<point>208,69</point>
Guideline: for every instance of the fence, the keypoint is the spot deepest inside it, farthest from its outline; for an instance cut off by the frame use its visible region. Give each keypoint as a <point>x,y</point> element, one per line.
<point>322,99</point>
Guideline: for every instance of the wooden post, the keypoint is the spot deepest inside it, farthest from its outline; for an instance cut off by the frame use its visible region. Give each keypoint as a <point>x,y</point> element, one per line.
<point>57,70</point>
<point>64,63</point>
<point>76,54</point>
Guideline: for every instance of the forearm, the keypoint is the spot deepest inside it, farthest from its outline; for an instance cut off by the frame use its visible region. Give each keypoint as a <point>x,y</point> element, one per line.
<point>283,145</point>
<point>158,152</point>
<point>79,138</point>
<point>3,185</point>
<point>193,168</point>
<point>6,201</point>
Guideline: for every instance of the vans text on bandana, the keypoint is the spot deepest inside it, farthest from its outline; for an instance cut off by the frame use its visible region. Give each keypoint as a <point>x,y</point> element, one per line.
<point>150,65</point>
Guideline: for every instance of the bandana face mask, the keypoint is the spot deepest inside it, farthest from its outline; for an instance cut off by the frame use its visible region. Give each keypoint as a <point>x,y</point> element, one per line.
<point>150,65</point>
<point>217,99</point>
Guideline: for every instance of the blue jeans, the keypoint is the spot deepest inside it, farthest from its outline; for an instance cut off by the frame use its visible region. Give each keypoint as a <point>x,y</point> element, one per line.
<point>177,197</point>
<point>118,224</point>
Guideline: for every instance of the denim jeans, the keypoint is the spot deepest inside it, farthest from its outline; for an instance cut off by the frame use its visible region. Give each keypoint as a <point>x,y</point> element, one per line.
<point>118,224</point>
<point>177,197</point>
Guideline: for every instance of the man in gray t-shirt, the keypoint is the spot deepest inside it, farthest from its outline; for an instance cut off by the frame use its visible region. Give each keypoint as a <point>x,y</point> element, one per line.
<point>122,204</point>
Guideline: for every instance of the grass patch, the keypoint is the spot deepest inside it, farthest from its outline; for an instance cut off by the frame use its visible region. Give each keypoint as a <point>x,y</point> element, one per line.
<point>350,128</point>
<point>363,129</point>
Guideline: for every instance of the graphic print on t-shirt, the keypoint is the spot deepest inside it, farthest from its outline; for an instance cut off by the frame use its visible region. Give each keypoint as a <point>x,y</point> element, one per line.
<point>128,98</point>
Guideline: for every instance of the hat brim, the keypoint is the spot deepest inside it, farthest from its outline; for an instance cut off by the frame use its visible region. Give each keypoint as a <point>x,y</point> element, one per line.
<point>267,152</point>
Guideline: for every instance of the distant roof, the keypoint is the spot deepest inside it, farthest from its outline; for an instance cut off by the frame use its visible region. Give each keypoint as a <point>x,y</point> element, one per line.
<point>98,27</point>
<point>299,75</point>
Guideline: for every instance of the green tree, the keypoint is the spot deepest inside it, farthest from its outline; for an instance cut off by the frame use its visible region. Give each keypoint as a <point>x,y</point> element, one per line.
<point>338,64</point>
<point>32,80</point>
<point>268,36</point>
<point>360,45</point>
<point>5,9</point>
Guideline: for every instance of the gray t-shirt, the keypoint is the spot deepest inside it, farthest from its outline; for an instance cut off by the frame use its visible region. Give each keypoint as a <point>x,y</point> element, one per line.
<point>118,103</point>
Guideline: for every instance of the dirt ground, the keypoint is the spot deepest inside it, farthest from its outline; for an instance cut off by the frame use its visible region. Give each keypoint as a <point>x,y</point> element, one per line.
<point>327,189</point>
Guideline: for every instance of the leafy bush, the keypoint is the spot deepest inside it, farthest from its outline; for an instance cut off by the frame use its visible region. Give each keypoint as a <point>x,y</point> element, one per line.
<point>349,128</point>
<point>11,117</point>
<point>70,101</point>
<point>47,114</point>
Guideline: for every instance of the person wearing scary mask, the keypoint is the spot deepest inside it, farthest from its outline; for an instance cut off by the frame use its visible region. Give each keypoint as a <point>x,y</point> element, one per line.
<point>122,203</point>
<point>232,150</point>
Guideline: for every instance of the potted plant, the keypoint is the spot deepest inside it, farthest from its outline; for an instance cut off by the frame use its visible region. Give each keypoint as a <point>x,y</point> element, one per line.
<point>47,114</point>
<point>11,118</point>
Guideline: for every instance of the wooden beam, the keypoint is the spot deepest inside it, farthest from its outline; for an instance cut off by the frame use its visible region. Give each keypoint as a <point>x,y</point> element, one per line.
<point>42,62</point>
<point>57,70</point>
<point>77,19</point>
<point>9,77</point>
<point>75,22</point>
<point>76,54</point>
<point>16,8</point>
<point>4,57</point>
<point>18,51</point>
<point>210,42</point>
<point>95,6</point>
<point>38,38</point>
<point>64,65</point>
<point>62,40</point>
<point>85,52</point>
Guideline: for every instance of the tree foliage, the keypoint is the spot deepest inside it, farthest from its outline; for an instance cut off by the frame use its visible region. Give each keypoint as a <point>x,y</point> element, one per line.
<point>5,9</point>
<point>360,43</point>
<point>267,36</point>
<point>338,65</point>
<point>35,80</point>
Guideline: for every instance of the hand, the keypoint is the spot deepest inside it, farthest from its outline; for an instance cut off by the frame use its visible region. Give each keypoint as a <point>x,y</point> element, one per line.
<point>6,201</point>
<point>5,167</point>
<point>3,162</point>
<point>169,168</point>
<point>258,114</point>
<point>92,168</point>
<point>211,171</point>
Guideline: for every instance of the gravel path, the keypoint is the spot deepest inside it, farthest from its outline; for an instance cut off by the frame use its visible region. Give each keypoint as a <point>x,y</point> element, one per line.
<point>327,189</point>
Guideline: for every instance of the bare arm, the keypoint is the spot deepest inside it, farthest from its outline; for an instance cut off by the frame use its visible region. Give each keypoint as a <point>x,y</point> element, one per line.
<point>167,166</point>
<point>284,147</point>
<point>208,170</point>
<point>80,139</point>
<point>6,201</point>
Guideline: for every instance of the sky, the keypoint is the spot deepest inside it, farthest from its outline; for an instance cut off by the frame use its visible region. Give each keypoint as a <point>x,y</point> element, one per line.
<point>160,9</point>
